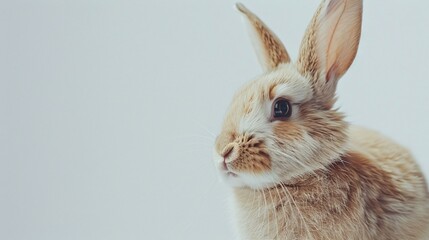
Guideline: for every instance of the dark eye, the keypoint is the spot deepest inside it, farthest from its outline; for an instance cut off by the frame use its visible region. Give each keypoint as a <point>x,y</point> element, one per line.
<point>281,109</point>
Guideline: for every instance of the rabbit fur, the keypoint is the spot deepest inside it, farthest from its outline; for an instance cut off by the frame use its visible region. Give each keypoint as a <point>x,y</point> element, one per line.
<point>313,175</point>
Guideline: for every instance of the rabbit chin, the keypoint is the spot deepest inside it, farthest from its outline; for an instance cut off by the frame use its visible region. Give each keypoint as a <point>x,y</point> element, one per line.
<point>251,180</point>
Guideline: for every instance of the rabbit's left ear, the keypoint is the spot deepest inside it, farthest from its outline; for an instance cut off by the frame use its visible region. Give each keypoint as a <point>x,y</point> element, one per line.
<point>268,46</point>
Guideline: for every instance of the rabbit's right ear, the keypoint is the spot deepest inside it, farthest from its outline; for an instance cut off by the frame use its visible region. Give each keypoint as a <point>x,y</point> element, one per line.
<point>330,45</point>
<point>268,47</point>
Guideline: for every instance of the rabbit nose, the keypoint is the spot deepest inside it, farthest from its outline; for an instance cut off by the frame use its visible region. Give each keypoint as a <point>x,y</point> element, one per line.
<point>228,153</point>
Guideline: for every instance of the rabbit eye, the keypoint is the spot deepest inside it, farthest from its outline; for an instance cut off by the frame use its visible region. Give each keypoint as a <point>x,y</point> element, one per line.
<point>281,109</point>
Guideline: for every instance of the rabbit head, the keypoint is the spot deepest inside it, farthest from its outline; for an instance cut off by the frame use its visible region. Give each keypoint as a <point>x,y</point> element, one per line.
<point>282,125</point>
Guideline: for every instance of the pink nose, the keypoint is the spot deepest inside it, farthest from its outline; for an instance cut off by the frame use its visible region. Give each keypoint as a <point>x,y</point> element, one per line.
<point>225,154</point>
<point>224,165</point>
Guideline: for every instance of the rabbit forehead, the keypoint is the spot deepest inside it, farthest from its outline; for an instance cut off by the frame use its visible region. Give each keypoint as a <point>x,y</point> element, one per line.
<point>285,81</point>
<point>251,108</point>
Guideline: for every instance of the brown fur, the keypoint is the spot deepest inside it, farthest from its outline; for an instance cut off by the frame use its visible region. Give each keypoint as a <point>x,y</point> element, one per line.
<point>358,191</point>
<point>251,155</point>
<point>272,48</point>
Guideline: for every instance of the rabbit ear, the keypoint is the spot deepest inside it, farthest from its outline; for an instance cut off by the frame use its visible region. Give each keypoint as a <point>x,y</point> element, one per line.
<point>269,48</point>
<point>330,44</point>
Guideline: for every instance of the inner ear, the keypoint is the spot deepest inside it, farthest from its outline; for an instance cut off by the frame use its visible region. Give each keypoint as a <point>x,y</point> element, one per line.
<point>330,44</point>
<point>268,47</point>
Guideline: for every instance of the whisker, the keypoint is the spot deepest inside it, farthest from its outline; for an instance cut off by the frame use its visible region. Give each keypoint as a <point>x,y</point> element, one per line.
<point>281,205</point>
<point>303,222</point>
<point>275,214</point>
<point>308,168</point>
<point>266,218</point>
<point>205,128</point>
<point>193,136</point>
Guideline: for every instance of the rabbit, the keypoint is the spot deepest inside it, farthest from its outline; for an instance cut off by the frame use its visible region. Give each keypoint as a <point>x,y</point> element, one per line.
<point>297,169</point>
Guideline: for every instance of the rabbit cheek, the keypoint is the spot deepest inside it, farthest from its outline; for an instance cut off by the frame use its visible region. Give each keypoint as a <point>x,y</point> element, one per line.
<point>292,149</point>
<point>288,132</point>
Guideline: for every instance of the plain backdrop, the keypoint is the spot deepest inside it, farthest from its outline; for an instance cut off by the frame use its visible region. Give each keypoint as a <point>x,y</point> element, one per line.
<point>108,109</point>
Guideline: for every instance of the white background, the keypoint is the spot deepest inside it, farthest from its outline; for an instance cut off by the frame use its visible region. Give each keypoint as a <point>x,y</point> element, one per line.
<point>107,107</point>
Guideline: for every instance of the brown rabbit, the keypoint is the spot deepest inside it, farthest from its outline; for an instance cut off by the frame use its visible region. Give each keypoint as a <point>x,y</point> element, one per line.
<point>299,171</point>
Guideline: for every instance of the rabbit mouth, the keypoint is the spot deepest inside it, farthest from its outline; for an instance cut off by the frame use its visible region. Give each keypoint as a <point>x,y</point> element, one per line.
<point>226,171</point>
<point>231,174</point>
<point>237,178</point>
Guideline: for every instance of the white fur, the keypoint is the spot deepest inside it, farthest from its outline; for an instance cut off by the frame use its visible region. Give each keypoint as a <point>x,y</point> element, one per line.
<point>259,181</point>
